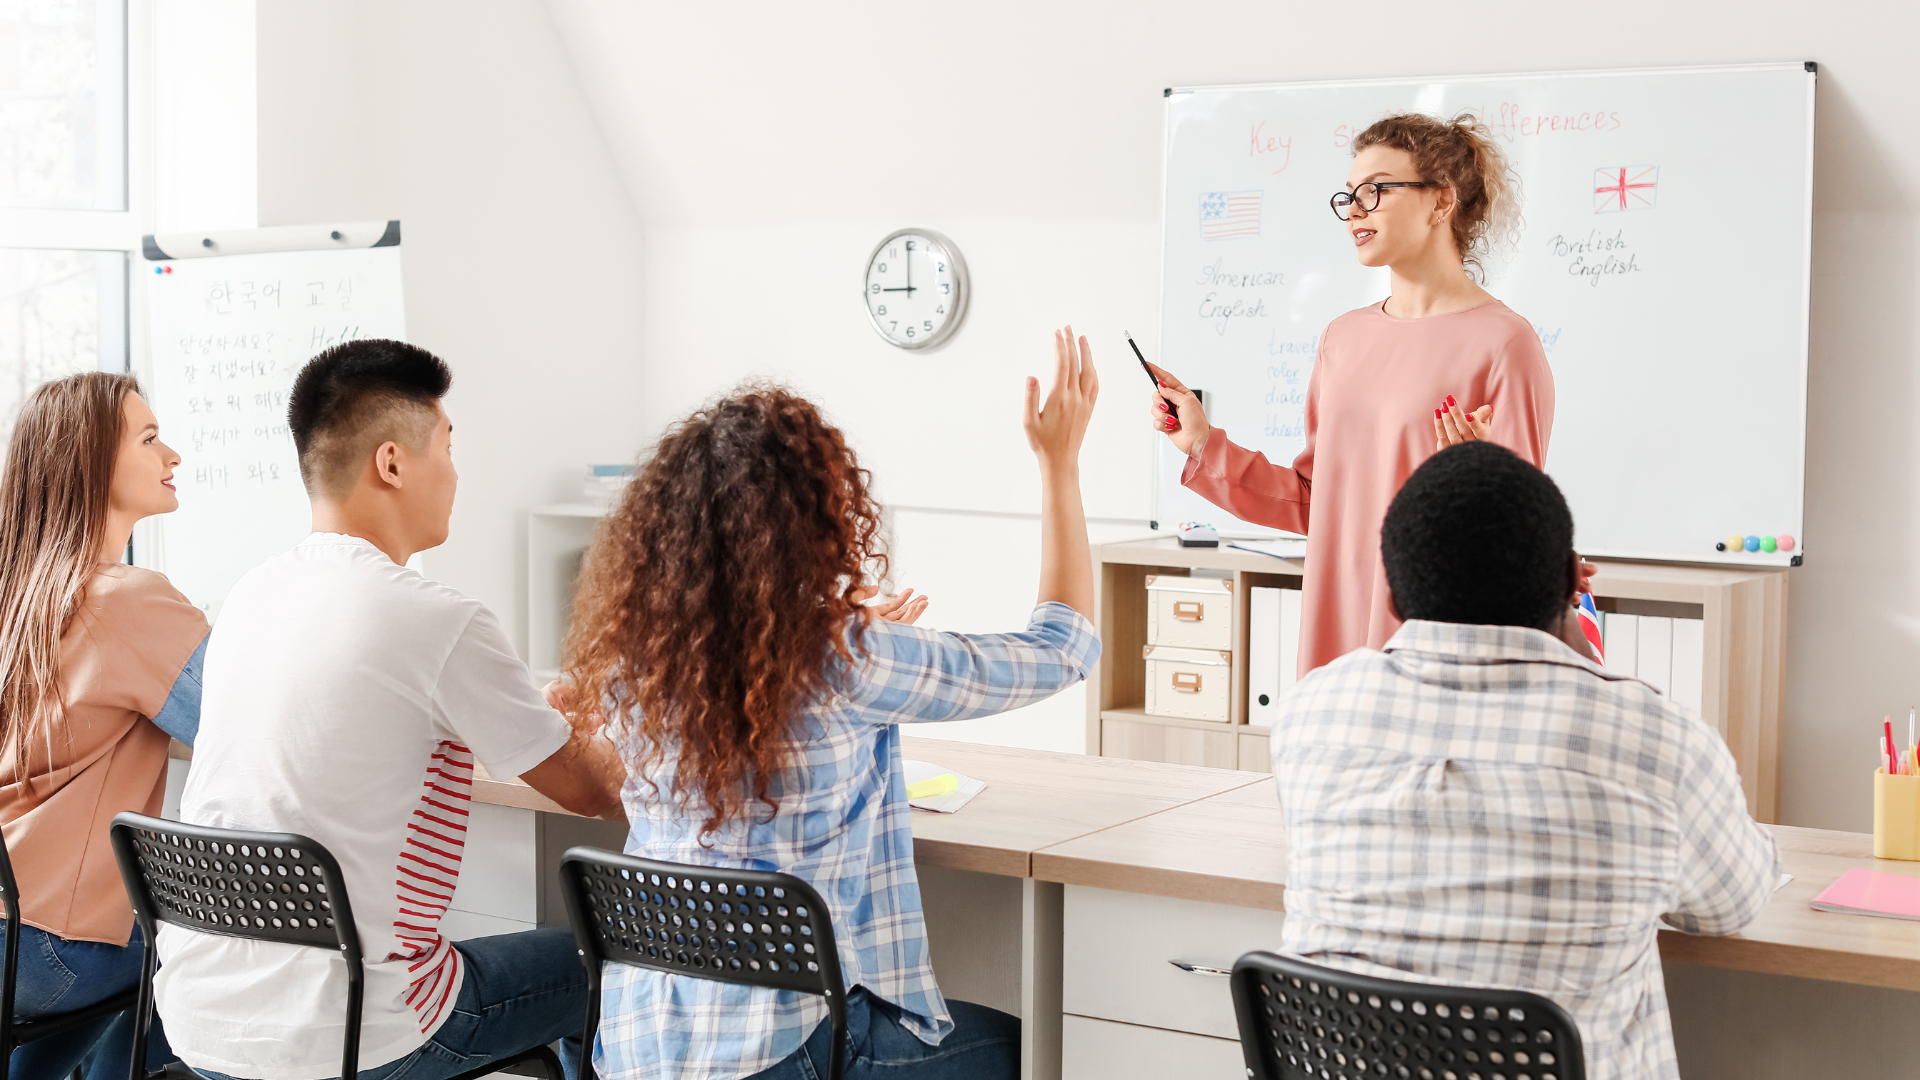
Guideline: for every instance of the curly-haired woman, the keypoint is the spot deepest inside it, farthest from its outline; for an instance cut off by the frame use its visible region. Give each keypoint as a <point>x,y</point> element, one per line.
<point>1439,361</point>
<point>758,706</point>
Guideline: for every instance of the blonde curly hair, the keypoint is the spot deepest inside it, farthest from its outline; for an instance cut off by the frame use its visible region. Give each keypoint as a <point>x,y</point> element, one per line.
<point>1460,154</point>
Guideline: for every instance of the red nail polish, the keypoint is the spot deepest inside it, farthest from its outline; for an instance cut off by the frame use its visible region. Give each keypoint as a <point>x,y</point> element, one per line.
<point>1449,401</point>
<point>1163,406</point>
<point>1436,414</point>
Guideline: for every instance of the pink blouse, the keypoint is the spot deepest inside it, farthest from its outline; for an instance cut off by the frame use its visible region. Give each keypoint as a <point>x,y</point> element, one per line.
<point>1369,424</point>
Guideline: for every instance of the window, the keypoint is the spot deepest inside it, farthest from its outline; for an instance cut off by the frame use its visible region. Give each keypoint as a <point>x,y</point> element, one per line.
<point>64,199</point>
<point>63,104</point>
<point>60,312</point>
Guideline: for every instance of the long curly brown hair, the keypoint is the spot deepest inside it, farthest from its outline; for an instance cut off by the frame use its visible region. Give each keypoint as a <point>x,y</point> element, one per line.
<point>716,599</point>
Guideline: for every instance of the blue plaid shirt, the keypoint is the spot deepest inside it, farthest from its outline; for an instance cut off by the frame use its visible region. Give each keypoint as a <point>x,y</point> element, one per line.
<point>842,826</point>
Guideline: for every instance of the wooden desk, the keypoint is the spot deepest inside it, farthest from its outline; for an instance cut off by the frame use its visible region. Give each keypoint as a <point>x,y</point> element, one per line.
<point>1231,849</point>
<point>998,877</point>
<point>1034,799</point>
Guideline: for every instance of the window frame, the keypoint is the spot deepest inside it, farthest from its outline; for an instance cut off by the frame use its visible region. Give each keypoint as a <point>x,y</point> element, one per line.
<point>111,230</point>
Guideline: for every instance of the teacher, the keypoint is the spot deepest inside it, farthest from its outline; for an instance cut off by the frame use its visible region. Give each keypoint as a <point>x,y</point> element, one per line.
<point>1392,382</point>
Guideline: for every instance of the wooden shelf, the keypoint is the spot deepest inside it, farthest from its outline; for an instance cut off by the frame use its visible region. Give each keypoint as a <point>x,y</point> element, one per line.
<point>1142,716</point>
<point>1744,686</point>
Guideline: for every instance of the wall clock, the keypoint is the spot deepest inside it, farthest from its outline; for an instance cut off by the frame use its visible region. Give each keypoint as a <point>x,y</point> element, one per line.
<point>916,288</point>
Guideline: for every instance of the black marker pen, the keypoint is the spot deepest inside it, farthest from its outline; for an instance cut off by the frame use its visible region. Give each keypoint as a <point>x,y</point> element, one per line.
<point>1172,409</point>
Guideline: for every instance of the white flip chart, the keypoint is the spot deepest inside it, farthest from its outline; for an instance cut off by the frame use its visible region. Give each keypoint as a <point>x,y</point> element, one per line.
<point>228,334</point>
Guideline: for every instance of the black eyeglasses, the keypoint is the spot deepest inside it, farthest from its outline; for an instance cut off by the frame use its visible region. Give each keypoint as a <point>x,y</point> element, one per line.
<point>1366,197</point>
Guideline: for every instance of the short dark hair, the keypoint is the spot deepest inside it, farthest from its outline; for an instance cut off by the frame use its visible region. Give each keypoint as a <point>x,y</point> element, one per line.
<point>355,396</point>
<point>1477,535</point>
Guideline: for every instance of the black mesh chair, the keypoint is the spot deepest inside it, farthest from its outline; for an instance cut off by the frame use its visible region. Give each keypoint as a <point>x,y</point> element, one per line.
<point>262,886</point>
<point>15,1035</point>
<point>738,926</point>
<point>1301,1021</point>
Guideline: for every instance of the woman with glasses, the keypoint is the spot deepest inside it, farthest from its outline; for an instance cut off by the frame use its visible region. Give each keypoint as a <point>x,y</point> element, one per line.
<point>1439,361</point>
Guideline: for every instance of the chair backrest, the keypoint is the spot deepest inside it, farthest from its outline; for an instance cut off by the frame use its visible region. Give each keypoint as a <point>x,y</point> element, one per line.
<point>751,927</point>
<point>1300,1020</point>
<point>258,885</point>
<point>10,900</point>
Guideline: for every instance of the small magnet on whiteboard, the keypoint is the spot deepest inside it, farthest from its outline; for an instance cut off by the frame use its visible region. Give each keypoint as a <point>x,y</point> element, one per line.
<point>206,241</point>
<point>335,234</point>
<point>1786,542</point>
<point>1734,543</point>
<point>1721,546</point>
<point>1752,543</point>
<point>1767,544</point>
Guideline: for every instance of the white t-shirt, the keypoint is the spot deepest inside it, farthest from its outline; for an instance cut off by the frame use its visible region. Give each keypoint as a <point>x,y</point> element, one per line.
<point>346,699</point>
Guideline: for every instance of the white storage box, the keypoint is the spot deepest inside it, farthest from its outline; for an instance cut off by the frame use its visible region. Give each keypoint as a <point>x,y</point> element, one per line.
<point>1190,612</point>
<point>1189,683</point>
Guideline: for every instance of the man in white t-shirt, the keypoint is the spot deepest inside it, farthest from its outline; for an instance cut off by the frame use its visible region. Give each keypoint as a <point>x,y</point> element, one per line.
<point>348,698</point>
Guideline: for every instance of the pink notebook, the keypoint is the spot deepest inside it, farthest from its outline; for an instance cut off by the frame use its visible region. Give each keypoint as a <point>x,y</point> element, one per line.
<point>1865,892</point>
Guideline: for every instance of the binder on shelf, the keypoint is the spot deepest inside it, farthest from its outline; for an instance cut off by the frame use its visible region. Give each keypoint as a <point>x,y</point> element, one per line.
<point>1689,662</point>
<point>1263,656</point>
<point>1656,652</point>
<point>1289,638</point>
<point>1621,636</point>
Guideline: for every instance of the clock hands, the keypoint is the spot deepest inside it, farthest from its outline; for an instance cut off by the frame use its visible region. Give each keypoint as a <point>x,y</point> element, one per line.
<point>908,287</point>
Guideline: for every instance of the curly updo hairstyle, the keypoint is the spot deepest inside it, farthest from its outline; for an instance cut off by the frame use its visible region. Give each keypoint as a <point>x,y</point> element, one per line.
<point>719,597</point>
<point>1459,153</point>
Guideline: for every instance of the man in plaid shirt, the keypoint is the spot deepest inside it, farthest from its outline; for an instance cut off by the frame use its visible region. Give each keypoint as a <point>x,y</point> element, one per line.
<point>1478,803</point>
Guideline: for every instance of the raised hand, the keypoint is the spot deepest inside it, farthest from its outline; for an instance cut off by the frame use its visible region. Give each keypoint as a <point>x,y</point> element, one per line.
<point>1452,425</point>
<point>1056,429</point>
<point>1189,431</point>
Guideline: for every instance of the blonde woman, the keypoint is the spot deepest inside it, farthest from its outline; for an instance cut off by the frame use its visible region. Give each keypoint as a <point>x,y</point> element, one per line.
<point>1439,361</point>
<point>102,665</point>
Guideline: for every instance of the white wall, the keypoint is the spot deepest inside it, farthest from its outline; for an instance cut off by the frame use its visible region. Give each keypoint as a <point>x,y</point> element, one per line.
<point>767,146</point>
<point>741,159</point>
<point>520,247</point>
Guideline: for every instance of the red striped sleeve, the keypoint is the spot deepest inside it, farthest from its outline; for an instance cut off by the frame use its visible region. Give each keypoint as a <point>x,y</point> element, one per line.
<point>427,873</point>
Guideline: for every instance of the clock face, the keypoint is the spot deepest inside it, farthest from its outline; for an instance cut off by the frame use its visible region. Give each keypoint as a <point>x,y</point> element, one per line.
<point>916,288</point>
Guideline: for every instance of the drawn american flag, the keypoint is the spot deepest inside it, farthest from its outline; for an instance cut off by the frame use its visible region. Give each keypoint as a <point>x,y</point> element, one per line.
<point>1225,215</point>
<point>1625,187</point>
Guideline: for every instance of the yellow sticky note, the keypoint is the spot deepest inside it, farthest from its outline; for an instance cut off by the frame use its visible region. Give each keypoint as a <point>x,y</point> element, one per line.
<point>938,785</point>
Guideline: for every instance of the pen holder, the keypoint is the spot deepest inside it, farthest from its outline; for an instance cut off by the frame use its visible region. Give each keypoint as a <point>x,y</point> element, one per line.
<point>1896,816</point>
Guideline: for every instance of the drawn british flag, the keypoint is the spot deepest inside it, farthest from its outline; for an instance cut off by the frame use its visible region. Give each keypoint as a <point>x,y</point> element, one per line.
<point>1226,215</point>
<point>1590,626</point>
<point>1625,187</point>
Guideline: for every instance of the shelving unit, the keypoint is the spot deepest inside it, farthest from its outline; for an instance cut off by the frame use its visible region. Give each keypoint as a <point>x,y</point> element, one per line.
<point>1744,611</point>
<point>557,539</point>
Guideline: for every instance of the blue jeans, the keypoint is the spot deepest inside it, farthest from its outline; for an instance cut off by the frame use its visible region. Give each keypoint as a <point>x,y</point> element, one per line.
<point>57,976</point>
<point>520,991</point>
<point>983,1045</point>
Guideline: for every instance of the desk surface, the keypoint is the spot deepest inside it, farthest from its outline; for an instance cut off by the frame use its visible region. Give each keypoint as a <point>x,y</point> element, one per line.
<point>1033,800</point>
<point>1215,835</point>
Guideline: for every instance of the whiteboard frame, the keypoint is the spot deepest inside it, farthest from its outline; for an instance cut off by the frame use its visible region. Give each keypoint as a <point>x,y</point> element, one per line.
<point>1812,72</point>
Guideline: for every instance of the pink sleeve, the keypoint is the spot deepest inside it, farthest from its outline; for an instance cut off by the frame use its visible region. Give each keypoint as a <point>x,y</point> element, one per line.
<point>1248,486</point>
<point>1520,389</point>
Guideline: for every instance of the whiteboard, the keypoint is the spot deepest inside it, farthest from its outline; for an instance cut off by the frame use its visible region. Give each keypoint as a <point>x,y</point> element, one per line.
<point>228,334</point>
<point>1664,264</point>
